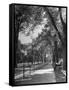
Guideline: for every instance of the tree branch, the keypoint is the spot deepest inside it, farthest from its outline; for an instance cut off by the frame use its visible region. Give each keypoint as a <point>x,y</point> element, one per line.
<point>63,23</point>
<point>53,23</point>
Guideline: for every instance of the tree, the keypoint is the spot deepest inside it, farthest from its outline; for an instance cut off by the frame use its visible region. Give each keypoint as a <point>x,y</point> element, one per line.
<point>48,22</point>
<point>63,24</point>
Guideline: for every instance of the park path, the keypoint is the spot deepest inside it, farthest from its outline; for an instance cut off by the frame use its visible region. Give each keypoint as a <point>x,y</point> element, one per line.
<point>44,74</point>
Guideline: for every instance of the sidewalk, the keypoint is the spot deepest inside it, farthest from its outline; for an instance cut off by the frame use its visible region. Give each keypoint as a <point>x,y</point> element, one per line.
<point>27,70</point>
<point>43,75</point>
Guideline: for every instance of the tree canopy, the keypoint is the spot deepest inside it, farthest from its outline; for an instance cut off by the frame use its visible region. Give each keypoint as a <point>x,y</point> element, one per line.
<point>39,26</point>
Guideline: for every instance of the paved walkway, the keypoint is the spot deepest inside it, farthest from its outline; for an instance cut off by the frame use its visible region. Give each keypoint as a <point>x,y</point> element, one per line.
<point>43,75</point>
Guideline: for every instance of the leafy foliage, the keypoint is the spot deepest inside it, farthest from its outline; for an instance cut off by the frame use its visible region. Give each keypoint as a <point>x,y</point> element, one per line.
<point>42,25</point>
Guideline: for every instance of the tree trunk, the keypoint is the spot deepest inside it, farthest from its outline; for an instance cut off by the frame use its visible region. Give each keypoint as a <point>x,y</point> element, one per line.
<point>55,54</point>
<point>54,24</point>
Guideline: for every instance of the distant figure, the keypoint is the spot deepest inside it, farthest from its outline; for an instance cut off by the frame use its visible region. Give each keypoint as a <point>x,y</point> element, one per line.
<point>59,64</point>
<point>49,57</point>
